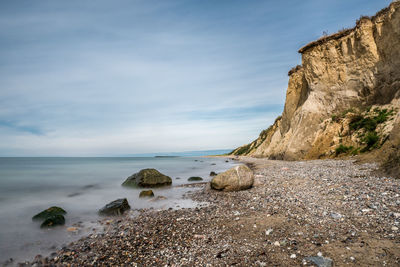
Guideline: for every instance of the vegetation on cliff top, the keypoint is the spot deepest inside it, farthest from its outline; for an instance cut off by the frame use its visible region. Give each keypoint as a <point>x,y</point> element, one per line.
<point>345,31</point>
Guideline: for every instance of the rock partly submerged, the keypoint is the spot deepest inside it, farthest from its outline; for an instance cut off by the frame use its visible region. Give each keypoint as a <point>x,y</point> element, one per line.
<point>195,178</point>
<point>53,221</point>
<point>52,211</point>
<point>146,193</point>
<point>116,207</point>
<point>213,174</point>
<point>238,178</point>
<point>52,216</point>
<point>148,178</point>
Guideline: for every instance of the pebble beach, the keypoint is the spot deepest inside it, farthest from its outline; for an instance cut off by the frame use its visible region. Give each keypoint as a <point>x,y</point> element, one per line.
<point>309,213</point>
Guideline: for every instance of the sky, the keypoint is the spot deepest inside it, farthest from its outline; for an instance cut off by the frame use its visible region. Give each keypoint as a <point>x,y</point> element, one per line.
<point>121,77</point>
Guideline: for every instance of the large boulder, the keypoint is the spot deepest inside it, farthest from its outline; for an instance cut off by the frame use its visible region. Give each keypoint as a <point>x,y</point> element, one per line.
<point>148,178</point>
<point>52,211</point>
<point>238,178</point>
<point>116,207</point>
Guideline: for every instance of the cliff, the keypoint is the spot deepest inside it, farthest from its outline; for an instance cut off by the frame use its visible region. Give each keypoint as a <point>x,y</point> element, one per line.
<point>344,98</point>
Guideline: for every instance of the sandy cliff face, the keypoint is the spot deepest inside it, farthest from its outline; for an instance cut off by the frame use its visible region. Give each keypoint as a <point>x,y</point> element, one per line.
<point>345,78</point>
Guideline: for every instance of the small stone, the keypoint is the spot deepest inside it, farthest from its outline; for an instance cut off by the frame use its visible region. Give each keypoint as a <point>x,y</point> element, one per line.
<point>320,261</point>
<point>336,215</point>
<point>269,231</point>
<point>146,193</point>
<point>277,244</point>
<point>394,228</point>
<point>72,229</point>
<point>293,256</point>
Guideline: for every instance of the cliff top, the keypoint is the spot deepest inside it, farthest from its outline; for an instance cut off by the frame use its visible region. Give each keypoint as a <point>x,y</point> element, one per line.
<point>345,32</point>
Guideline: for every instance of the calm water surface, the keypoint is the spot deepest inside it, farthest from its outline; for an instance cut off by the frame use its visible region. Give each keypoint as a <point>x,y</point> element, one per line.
<point>81,186</point>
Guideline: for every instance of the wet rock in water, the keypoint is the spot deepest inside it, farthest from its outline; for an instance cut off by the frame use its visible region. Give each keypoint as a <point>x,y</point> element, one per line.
<point>213,164</point>
<point>238,178</point>
<point>148,178</point>
<point>52,211</point>
<point>116,207</point>
<point>213,174</point>
<point>226,160</point>
<point>195,178</point>
<point>54,220</point>
<point>74,230</point>
<point>146,193</point>
<point>320,261</point>
<point>74,194</point>
<point>157,198</point>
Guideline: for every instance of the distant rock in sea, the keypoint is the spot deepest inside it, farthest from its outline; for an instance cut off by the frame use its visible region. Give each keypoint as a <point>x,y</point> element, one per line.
<point>195,178</point>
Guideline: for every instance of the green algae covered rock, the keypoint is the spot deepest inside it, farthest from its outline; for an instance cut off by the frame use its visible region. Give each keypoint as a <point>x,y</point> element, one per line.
<point>148,178</point>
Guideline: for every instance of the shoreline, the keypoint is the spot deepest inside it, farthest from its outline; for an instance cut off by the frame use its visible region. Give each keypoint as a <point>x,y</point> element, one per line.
<point>295,210</point>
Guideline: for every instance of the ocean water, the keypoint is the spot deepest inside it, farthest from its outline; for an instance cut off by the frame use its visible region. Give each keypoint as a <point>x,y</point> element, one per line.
<point>81,186</point>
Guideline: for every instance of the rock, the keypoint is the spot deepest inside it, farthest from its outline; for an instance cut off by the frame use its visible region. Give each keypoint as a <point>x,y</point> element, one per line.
<point>53,220</point>
<point>52,211</point>
<point>148,178</point>
<point>213,174</point>
<point>146,193</point>
<point>116,207</point>
<point>269,231</point>
<point>336,215</point>
<point>238,178</point>
<point>73,229</point>
<point>320,261</point>
<point>157,198</point>
<point>195,178</point>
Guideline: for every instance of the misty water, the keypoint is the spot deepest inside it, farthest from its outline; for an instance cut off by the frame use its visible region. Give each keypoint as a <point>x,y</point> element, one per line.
<point>81,186</point>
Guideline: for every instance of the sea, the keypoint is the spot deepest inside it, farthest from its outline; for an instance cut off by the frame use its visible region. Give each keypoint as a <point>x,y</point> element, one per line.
<point>82,186</point>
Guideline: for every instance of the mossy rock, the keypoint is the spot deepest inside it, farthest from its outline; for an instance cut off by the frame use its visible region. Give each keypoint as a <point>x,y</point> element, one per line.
<point>195,178</point>
<point>52,211</point>
<point>213,174</point>
<point>147,178</point>
<point>53,220</point>
<point>146,193</point>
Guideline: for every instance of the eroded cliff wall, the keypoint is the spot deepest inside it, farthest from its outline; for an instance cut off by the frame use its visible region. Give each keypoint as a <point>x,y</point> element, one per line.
<point>346,81</point>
